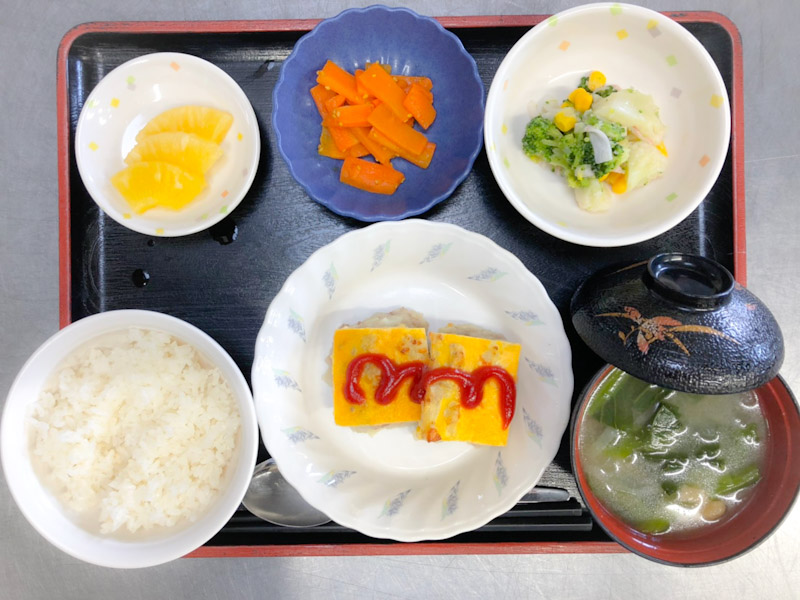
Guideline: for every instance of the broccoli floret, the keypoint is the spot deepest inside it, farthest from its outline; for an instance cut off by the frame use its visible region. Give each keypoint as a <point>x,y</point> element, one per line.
<point>571,153</point>
<point>614,131</point>
<point>540,139</point>
<point>576,150</point>
<point>620,153</point>
<point>605,91</point>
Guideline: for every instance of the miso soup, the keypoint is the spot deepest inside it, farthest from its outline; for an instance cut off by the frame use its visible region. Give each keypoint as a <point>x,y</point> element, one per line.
<point>667,461</point>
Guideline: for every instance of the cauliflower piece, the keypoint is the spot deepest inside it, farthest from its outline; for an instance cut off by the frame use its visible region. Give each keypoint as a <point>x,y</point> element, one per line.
<point>645,163</point>
<point>595,197</point>
<point>636,111</point>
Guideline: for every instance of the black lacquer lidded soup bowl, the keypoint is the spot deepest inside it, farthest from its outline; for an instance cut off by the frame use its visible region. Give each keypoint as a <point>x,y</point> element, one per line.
<point>686,446</point>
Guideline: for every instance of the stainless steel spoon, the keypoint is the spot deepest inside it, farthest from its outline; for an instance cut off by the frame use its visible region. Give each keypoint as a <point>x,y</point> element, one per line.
<point>270,497</point>
<point>545,494</point>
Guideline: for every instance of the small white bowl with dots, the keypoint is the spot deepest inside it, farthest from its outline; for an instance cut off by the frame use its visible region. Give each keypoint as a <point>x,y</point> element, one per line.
<point>136,92</point>
<point>634,47</point>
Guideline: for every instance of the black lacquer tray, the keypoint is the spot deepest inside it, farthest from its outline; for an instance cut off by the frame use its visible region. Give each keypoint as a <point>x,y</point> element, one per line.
<point>222,280</point>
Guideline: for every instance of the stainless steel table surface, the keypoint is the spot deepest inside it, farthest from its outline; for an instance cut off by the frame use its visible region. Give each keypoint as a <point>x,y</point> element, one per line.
<point>30,31</point>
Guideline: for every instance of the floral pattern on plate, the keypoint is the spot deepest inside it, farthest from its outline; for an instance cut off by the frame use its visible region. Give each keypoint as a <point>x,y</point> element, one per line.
<point>534,431</point>
<point>500,474</point>
<point>544,373</point>
<point>436,251</point>
<point>296,324</point>
<point>334,478</point>
<point>379,253</point>
<point>392,506</point>
<point>284,380</point>
<point>488,274</point>
<point>450,503</point>
<point>297,435</point>
<point>528,317</point>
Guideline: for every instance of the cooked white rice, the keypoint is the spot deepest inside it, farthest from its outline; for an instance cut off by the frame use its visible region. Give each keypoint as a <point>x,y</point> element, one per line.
<point>134,432</point>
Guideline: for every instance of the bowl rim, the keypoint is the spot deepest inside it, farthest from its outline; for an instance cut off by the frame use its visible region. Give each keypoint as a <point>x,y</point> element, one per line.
<point>212,351</point>
<point>235,199</point>
<point>575,419</point>
<point>355,214</point>
<point>714,167</point>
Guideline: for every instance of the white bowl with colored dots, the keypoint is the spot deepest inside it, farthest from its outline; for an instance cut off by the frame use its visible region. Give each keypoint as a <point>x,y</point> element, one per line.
<point>42,503</point>
<point>130,96</point>
<point>633,47</point>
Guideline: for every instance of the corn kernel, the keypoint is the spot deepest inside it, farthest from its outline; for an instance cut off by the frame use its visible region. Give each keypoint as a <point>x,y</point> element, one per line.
<point>596,80</point>
<point>581,99</point>
<point>564,122</point>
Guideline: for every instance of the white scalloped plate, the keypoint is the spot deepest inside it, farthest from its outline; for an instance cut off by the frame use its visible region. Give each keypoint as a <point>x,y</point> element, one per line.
<point>384,482</point>
<point>122,104</point>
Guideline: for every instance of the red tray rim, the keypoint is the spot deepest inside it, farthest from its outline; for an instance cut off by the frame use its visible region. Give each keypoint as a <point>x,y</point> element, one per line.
<point>294,25</point>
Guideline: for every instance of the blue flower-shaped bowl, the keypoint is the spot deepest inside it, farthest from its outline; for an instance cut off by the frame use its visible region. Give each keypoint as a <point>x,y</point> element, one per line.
<point>412,45</point>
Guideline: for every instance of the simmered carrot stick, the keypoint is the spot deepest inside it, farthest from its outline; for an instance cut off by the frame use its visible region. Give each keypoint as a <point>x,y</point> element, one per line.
<point>341,137</point>
<point>384,66</point>
<point>381,153</point>
<point>384,120</point>
<point>357,151</point>
<point>419,102</point>
<point>422,160</point>
<point>321,96</point>
<point>404,81</point>
<point>352,116</point>
<point>428,94</point>
<point>340,81</point>
<point>327,147</point>
<point>381,85</point>
<point>373,112</point>
<point>370,176</point>
<point>362,91</point>
<point>334,103</point>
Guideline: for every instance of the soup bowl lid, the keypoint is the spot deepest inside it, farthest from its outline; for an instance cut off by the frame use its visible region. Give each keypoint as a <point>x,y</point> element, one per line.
<point>679,321</point>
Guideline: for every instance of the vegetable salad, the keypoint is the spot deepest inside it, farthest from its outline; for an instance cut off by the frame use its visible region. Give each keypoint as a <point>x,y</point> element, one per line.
<point>602,139</point>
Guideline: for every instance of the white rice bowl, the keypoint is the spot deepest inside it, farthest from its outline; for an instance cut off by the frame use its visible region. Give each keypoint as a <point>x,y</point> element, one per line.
<point>129,438</point>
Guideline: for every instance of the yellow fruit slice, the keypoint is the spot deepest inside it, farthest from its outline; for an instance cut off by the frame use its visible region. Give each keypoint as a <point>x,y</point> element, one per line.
<point>188,151</point>
<point>146,185</point>
<point>208,123</point>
